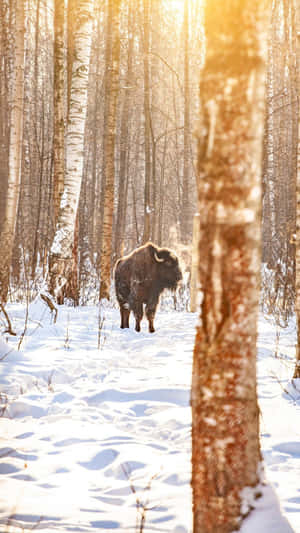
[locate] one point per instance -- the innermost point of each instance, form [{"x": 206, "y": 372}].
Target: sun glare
[{"x": 177, "y": 6}]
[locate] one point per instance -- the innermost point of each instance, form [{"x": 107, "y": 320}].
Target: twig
[
  {"x": 4, "y": 401},
  {"x": 101, "y": 320},
  {"x": 6, "y": 354},
  {"x": 170, "y": 68},
  {"x": 25, "y": 323},
  {"x": 67, "y": 338},
  {"x": 49, "y": 302},
  {"x": 142, "y": 507},
  {"x": 9, "y": 326},
  {"x": 283, "y": 388},
  {"x": 50, "y": 378}
]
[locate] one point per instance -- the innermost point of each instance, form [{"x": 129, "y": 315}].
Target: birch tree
[
  {"x": 112, "y": 90},
  {"x": 59, "y": 104},
  {"x": 124, "y": 140},
  {"x": 297, "y": 295},
  {"x": 147, "y": 127},
  {"x": 4, "y": 115},
  {"x": 185, "y": 208},
  {"x": 60, "y": 260},
  {"x": 8, "y": 225},
  {"x": 225, "y": 432}
]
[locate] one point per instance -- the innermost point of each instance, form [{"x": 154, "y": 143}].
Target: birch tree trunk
[
  {"x": 147, "y": 127},
  {"x": 185, "y": 225},
  {"x": 4, "y": 114},
  {"x": 59, "y": 105},
  {"x": 8, "y": 225},
  {"x": 60, "y": 260},
  {"x": 225, "y": 432},
  {"x": 106, "y": 108},
  {"x": 124, "y": 143},
  {"x": 297, "y": 284},
  {"x": 268, "y": 206},
  {"x": 112, "y": 90}
]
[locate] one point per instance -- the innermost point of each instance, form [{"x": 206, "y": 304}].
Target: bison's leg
[
  {"x": 137, "y": 309},
  {"x": 150, "y": 314},
  {"x": 136, "y": 303},
  {"x": 125, "y": 312},
  {"x": 150, "y": 317}
]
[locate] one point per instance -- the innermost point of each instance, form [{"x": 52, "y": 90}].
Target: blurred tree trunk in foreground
[
  {"x": 16, "y": 100},
  {"x": 225, "y": 431},
  {"x": 60, "y": 260}
]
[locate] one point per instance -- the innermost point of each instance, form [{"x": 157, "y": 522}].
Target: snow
[
  {"x": 95, "y": 439},
  {"x": 59, "y": 237}
]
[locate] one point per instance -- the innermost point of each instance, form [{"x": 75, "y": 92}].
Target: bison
[{"x": 140, "y": 278}]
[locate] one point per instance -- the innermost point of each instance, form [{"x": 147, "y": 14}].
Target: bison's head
[{"x": 169, "y": 272}]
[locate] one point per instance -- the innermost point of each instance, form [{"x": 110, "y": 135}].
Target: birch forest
[
  {"x": 99, "y": 109},
  {"x": 169, "y": 129},
  {"x": 97, "y": 151}
]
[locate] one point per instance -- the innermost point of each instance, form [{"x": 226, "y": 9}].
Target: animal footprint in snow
[{"x": 101, "y": 460}]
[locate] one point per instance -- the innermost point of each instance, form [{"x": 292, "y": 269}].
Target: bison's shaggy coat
[{"x": 140, "y": 278}]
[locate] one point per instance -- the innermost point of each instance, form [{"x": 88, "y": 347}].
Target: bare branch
[{"x": 9, "y": 326}]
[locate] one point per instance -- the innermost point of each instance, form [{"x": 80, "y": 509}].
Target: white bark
[
  {"x": 59, "y": 103},
  {"x": 15, "y": 152},
  {"x": 62, "y": 245},
  {"x": 297, "y": 302},
  {"x": 111, "y": 96}
]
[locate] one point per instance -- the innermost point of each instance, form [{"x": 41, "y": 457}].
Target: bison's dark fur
[{"x": 140, "y": 278}]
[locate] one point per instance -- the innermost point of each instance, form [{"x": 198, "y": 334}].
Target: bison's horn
[{"x": 158, "y": 259}]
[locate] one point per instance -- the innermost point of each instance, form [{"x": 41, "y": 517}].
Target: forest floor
[{"x": 96, "y": 425}]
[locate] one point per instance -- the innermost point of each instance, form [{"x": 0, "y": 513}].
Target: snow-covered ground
[{"x": 95, "y": 427}]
